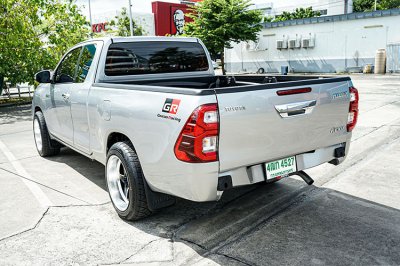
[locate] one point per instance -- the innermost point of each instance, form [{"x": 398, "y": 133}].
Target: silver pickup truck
[{"x": 164, "y": 125}]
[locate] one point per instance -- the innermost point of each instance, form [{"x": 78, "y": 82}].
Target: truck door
[
  {"x": 81, "y": 138},
  {"x": 60, "y": 91}
]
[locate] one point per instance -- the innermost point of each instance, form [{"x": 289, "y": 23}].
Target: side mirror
[{"x": 43, "y": 76}]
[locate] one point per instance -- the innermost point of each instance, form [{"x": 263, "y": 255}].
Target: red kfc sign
[
  {"x": 169, "y": 18},
  {"x": 99, "y": 27}
]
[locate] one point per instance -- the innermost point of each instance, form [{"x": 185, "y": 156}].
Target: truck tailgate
[{"x": 257, "y": 125}]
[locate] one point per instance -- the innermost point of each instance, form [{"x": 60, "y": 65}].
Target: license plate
[{"x": 281, "y": 168}]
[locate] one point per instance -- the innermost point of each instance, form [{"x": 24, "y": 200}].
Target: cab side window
[
  {"x": 85, "y": 62},
  {"x": 66, "y": 71}
]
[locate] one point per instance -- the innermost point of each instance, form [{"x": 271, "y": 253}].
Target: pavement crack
[
  {"x": 217, "y": 207},
  {"x": 43, "y": 185},
  {"x": 305, "y": 193},
  {"x": 207, "y": 252},
  {"x": 373, "y": 109},
  {"x": 174, "y": 233},
  {"x": 81, "y": 205},
  {"x": 136, "y": 252},
  {"x": 45, "y": 213},
  {"x": 235, "y": 259},
  {"x": 30, "y": 229},
  {"x": 366, "y": 134},
  {"x": 292, "y": 203}
]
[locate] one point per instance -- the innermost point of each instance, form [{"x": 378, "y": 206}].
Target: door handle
[
  {"x": 293, "y": 109},
  {"x": 65, "y": 96}
]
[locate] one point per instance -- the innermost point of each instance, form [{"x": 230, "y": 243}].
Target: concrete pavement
[{"x": 350, "y": 216}]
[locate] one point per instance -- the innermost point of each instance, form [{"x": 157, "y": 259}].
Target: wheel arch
[
  {"x": 37, "y": 109},
  {"x": 155, "y": 200},
  {"x": 115, "y": 137},
  {"x": 118, "y": 136}
]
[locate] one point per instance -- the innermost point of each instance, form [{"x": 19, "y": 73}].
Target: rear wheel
[
  {"x": 44, "y": 144},
  {"x": 125, "y": 182}
]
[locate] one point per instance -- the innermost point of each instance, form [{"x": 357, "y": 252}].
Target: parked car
[
  {"x": 164, "y": 125},
  {"x": 214, "y": 64}
]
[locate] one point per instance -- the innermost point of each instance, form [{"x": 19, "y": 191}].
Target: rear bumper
[
  {"x": 202, "y": 182},
  {"x": 254, "y": 174}
]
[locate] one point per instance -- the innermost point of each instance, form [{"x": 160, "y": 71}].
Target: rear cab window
[{"x": 138, "y": 58}]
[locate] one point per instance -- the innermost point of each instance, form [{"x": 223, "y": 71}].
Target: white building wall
[
  {"x": 277, "y": 7},
  {"x": 339, "y": 46},
  {"x": 146, "y": 21}
]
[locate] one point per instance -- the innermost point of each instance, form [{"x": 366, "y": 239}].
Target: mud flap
[{"x": 157, "y": 200}]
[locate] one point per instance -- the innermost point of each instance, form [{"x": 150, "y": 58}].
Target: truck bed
[
  {"x": 206, "y": 85},
  {"x": 268, "y": 125}
]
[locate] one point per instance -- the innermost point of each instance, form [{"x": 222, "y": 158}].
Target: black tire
[
  {"x": 49, "y": 147},
  {"x": 261, "y": 70},
  {"x": 137, "y": 206}
]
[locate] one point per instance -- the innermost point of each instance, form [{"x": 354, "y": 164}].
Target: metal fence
[
  {"x": 393, "y": 58},
  {"x": 18, "y": 91}
]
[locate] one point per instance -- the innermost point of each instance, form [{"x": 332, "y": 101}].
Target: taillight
[
  {"x": 293, "y": 91},
  {"x": 198, "y": 141},
  {"x": 353, "y": 109}
]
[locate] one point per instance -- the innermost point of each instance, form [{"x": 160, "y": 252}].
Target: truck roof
[{"x": 144, "y": 38}]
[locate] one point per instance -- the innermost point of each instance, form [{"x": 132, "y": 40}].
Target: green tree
[
  {"x": 19, "y": 45},
  {"x": 388, "y": 4},
  {"x": 122, "y": 23},
  {"x": 35, "y": 33},
  {"x": 219, "y": 23},
  {"x": 62, "y": 26},
  {"x": 297, "y": 14},
  {"x": 369, "y": 5}
]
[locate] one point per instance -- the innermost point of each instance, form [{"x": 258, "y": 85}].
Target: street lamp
[
  {"x": 90, "y": 14},
  {"x": 130, "y": 18},
  {"x": 90, "y": 17}
]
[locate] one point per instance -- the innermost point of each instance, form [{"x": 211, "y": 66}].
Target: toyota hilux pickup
[{"x": 152, "y": 110}]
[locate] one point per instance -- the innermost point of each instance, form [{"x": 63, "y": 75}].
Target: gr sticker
[{"x": 171, "y": 106}]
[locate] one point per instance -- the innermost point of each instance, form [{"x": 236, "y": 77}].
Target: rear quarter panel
[{"x": 136, "y": 114}]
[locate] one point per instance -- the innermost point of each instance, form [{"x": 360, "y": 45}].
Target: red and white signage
[
  {"x": 99, "y": 27},
  {"x": 170, "y": 18}
]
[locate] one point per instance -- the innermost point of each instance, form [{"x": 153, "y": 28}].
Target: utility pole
[
  {"x": 375, "y": 5},
  {"x": 90, "y": 17},
  {"x": 130, "y": 18}
]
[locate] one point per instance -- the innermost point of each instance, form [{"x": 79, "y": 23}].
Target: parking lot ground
[{"x": 57, "y": 211}]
